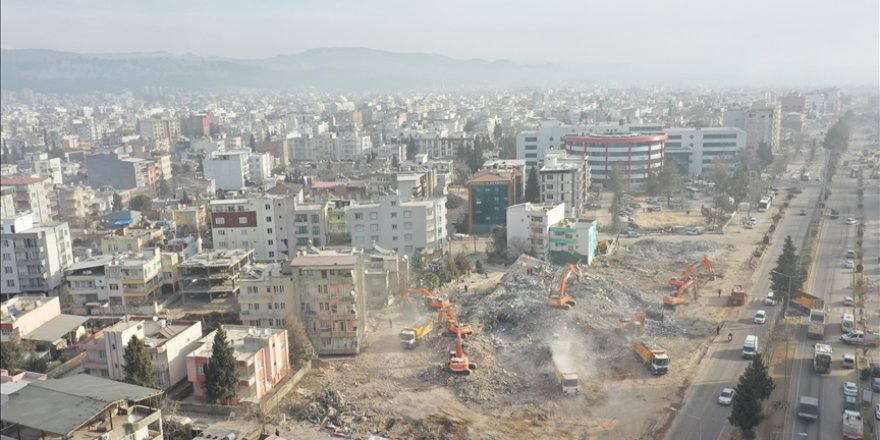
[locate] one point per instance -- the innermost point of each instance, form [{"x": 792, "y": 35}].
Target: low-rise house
[{"x": 39, "y": 318}]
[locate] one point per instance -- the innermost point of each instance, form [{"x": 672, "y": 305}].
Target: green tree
[
  {"x": 478, "y": 268},
  {"x": 738, "y": 185},
  {"x": 652, "y": 183},
  {"x": 837, "y": 137},
  {"x": 496, "y": 133},
  {"x": 35, "y": 363},
  {"x": 117, "y": 202},
  {"x": 138, "y": 368},
  {"x": 499, "y": 242},
  {"x": 301, "y": 350},
  {"x": 755, "y": 385},
  {"x": 532, "y": 190},
  {"x": 140, "y": 203},
  {"x": 719, "y": 176},
  {"x": 164, "y": 189},
  {"x": 280, "y": 170},
  {"x": 220, "y": 380},
  {"x": 462, "y": 263},
  {"x": 11, "y": 355},
  {"x": 787, "y": 270},
  {"x": 758, "y": 375},
  {"x": 765, "y": 155}
]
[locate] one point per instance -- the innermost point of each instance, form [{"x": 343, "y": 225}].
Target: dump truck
[
  {"x": 563, "y": 366},
  {"x": 822, "y": 358},
  {"x": 808, "y": 408},
  {"x": 411, "y": 336},
  {"x": 816, "y": 324},
  {"x": 804, "y": 302},
  {"x": 853, "y": 426},
  {"x": 654, "y": 357},
  {"x": 738, "y": 295}
]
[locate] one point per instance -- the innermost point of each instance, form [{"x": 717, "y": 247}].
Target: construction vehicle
[
  {"x": 636, "y": 320},
  {"x": 835, "y": 214},
  {"x": 816, "y": 324},
  {"x": 738, "y": 295},
  {"x": 853, "y": 425},
  {"x": 431, "y": 301},
  {"x": 804, "y": 302},
  {"x": 822, "y": 358},
  {"x": 677, "y": 296},
  {"x": 452, "y": 324},
  {"x": 560, "y": 299},
  {"x": 458, "y": 359},
  {"x": 563, "y": 364},
  {"x": 411, "y": 336},
  {"x": 686, "y": 276},
  {"x": 654, "y": 357}
]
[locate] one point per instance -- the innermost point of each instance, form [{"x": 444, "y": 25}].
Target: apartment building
[
  {"x": 193, "y": 217},
  {"x": 44, "y": 166},
  {"x": 75, "y": 201},
  {"x": 212, "y": 273},
  {"x": 31, "y": 194},
  {"x": 86, "y": 281},
  {"x": 573, "y": 241},
  {"x": 39, "y": 318},
  {"x": 267, "y": 296},
  {"x": 230, "y": 170},
  {"x": 7, "y": 201},
  {"x": 260, "y": 166},
  {"x": 490, "y": 193},
  {"x": 337, "y": 222},
  {"x": 130, "y": 240},
  {"x": 162, "y": 128},
  {"x": 352, "y": 146},
  {"x": 565, "y": 179},
  {"x": 33, "y": 256},
  {"x": 196, "y": 126},
  {"x": 166, "y": 342},
  {"x": 332, "y": 301},
  {"x": 278, "y": 149},
  {"x": 528, "y": 226},
  {"x": 118, "y": 172},
  {"x": 261, "y": 356},
  {"x": 696, "y": 150},
  {"x": 408, "y": 227},
  {"x": 763, "y": 124},
  {"x": 550, "y": 137},
  {"x": 386, "y": 274},
  {"x": 134, "y": 278}
]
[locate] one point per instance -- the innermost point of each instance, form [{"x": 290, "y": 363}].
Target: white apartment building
[
  {"x": 86, "y": 282},
  {"x": 166, "y": 342},
  {"x": 352, "y": 146},
  {"x": 696, "y": 150},
  {"x": 31, "y": 194},
  {"x": 266, "y": 296},
  {"x": 528, "y": 228},
  {"x": 134, "y": 278},
  {"x": 409, "y": 227},
  {"x": 565, "y": 179},
  {"x": 533, "y": 145},
  {"x": 46, "y": 167},
  {"x": 33, "y": 256},
  {"x": 763, "y": 124},
  {"x": 260, "y": 167},
  {"x": 7, "y": 201},
  {"x": 230, "y": 170}
]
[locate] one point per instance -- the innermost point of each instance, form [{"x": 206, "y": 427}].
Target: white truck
[
  {"x": 563, "y": 366},
  {"x": 808, "y": 408},
  {"x": 816, "y": 325},
  {"x": 853, "y": 426},
  {"x": 822, "y": 358}
]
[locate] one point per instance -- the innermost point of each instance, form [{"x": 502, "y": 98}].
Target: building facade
[
  {"x": 408, "y": 227},
  {"x": 267, "y": 296},
  {"x": 230, "y": 170},
  {"x": 118, "y": 172},
  {"x": 528, "y": 226},
  {"x": 33, "y": 256},
  {"x": 564, "y": 179},
  {"x": 490, "y": 193},
  {"x": 573, "y": 241},
  {"x": 31, "y": 194},
  {"x": 633, "y": 155},
  {"x": 696, "y": 150}
]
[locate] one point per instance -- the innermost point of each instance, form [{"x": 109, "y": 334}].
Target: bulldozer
[
  {"x": 434, "y": 302},
  {"x": 560, "y": 299},
  {"x": 458, "y": 359},
  {"x": 452, "y": 324}
]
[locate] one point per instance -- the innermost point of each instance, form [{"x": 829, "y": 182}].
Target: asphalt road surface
[{"x": 701, "y": 417}]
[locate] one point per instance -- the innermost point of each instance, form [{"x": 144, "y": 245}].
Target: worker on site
[
  {"x": 718, "y": 330},
  {"x": 390, "y": 323}
]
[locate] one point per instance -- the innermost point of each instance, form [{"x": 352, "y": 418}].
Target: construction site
[{"x": 534, "y": 350}]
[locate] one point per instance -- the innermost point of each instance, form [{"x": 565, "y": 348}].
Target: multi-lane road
[{"x": 701, "y": 417}]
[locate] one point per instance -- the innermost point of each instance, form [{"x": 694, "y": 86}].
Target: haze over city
[{"x": 677, "y": 42}]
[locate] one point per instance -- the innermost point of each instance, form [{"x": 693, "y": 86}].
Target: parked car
[
  {"x": 849, "y": 264},
  {"x": 726, "y": 396},
  {"x": 850, "y": 221},
  {"x": 848, "y": 301},
  {"x": 760, "y": 317},
  {"x": 850, "y": 253},
  {"x": 849, "y": 361},
  {"x": 850, "y": 403},
  {"x": 749, "y": 225},
  {"x": 803, "y": 212},
  {"x": 877, "y": 411},
  {"x": 850, "y": 389},
  {"x": 632, "y": 233},
  {"x": 770, "y": 299}
]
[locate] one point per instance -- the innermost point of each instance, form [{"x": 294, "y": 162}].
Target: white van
[
  {"x": 847, "y": 323},
  {"x": 770, "y": 300},
  {"x": 750, "y": 347}
]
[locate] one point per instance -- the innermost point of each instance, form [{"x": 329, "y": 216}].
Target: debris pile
[{"x": 327, "y": 410}]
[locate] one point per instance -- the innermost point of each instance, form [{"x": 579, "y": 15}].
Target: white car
[
  {"x": 770, "y": 299},
  {"x": 877, "y": 411},
  {"x": 850, "y": 264},
  {"x": 848, "y": 301},
  {"x": 760, "y": 317},
  {"x": 850, "y": 221},
  {"x": 749, "y": 225},
  {"x": 849, "y": 360},
  {"x": 726, "y": 397},
  {"x": 850, "y": 389}
]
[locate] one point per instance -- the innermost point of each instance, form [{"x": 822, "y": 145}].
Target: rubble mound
[
  {"x": 668, "y": 251},
  {"x": 327, "y": 409}
]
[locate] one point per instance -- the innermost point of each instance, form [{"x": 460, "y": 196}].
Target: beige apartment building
[
  {"x": 134, "y": 278},
  {"x": 130, "y": 240},
  {"x": 267, "y": 295}
]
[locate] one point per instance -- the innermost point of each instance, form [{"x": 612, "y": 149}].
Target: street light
[
  {"x": 787, "y": 297},
  {"x": 699, "y": 419}
]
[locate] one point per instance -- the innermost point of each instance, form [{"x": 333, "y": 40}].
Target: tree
[
  {"x": 411, "y": 149},
  {"x": 301, "y": 349},
  {"x": 164, "y": 189},
  {"x": 11, "y": 355},
  {"x": 652, "y": 183},
  {"x": 462, "y": 264},
  {"x": 670, "y": 182},
  {"x": 478, "y": 268},
  {"x": 140, "y": 203},
  {"x": 757, "y": 374},
  {"x": 220, "y": 380},
  {"x": 184, "y": 198},
  {"x": 765, "y": 155},
  {"x": 117, "y": 202},
  {"x": 280, "y": 170},
  {"x": 719, "y": 176},
  {"x": 754, "y": 385},
  {"x": 470, "y": 125},
  {"x": 35, "y": 363},
  {"x": 138, "y": 368},
  {"x": 787, "y": 270},
  {"x": 496, "y": 133},
  {"x": 532, "y": 189},
  {"x": 499, "y": 241}
]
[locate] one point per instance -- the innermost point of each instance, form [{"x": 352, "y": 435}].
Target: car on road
[
  {"x": 850, "y": 389},
  {"x": 875, "y": 384},
  {"x": 850, "y": 403},
  {"x": 770, "y": 299},
  {"x": 749, "y": 225},
  {"x": 726, "y": 396},
  {"x": 849, "y": 264},
  {"x": 632, "y": 233},
  {"x": 849, "y": 361},
  {"x": 877, "y": 411},
  {"x": 803, "y": 212},
  {"x": 760, "y": 317},
  {"x": 850, "y": 221},
  {"x": 848, "y": 301},
  {"x": 850, "y": 253}
]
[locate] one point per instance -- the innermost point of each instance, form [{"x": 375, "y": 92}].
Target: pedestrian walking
[
  {"x": 465, "y": 288},
  {"x": 718, "y": 330},
  {"x": 719, "y": 293},
  {"x": 390, "y": 323}
]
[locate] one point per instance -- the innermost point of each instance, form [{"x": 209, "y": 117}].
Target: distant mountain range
[{"x": 343, "y": 69}]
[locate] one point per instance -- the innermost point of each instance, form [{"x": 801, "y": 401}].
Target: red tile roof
[{"x": 20, "y": 180}]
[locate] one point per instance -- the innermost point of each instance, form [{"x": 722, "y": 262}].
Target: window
[
  {"x": 316, "y": 230},
  {"x": 374, "y": 238},
  {"x": 242, "y": 220},
  {"x": 268, "y": 206},
  {"x": 268, "y": 230},
  {"x": 374, "y": 227},
  {"x": 301, "y": 218},
  {"x": 407, "y": 226},
  {"x": 220, "y": 220},
  {"x": 407, "y": 214},
  {"x": 359, "y": 216},
  {"x": 10, "y": 283},
  {"x": 315, "y": 218},
  {"x": 394, "y": 238},
  {"x": 407, "y": 237},
  {"x": 302, "y": 229},
  {"x": 114, "y": 287},
  {"x": 374, "y": 215},
  {"x": 7, "y": 269},
  {"x": 394, "y": 227},
  {"x": 200, "y": 370},
  {"x": 221, "y": 232},
  {"x": 393, "y": 215},
  {"x": 271, "y": 254},
  {"x": 358, "y": 228},
  {"x": 221, "y": 244},
  {"x": 269, "y": 218},
  {"x": 271, "y": 242}
]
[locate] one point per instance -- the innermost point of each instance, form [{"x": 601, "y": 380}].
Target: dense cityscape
[{"x": 463, "y": 260}]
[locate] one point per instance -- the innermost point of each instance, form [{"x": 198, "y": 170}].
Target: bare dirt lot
[{"x": 394, "y": 393}]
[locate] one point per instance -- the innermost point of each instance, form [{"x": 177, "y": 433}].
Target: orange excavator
[
  {"x": 452, "y": 323},
  {"x": 458, "y": 359},
  {"x": 560, "y": 299},
  {"x": 677, "y": 297},
  {"x": 686, "y": 276},
  {"x": 432, "y": 301}
]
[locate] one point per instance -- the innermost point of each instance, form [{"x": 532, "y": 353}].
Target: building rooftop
[
  {"x": 20, "y": 180},
  {"x": 18, "y": 306},
  {"x": 217, "y": 258},
  {"x": 260, "y": 272},
  {"x": 326, "y": 258},
  {"x": 55, "y": 328},
  {"x": 156, "y": 332},
  {"x": 244, "y": 341}
]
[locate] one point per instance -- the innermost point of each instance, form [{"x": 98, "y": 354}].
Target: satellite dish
[{"x": 155, "y": 318}]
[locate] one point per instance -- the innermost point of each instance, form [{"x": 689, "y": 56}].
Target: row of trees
[{"x": 754, "y": 386}]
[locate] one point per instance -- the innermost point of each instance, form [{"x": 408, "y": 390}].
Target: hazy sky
[{"x": 763, "y": 38}]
